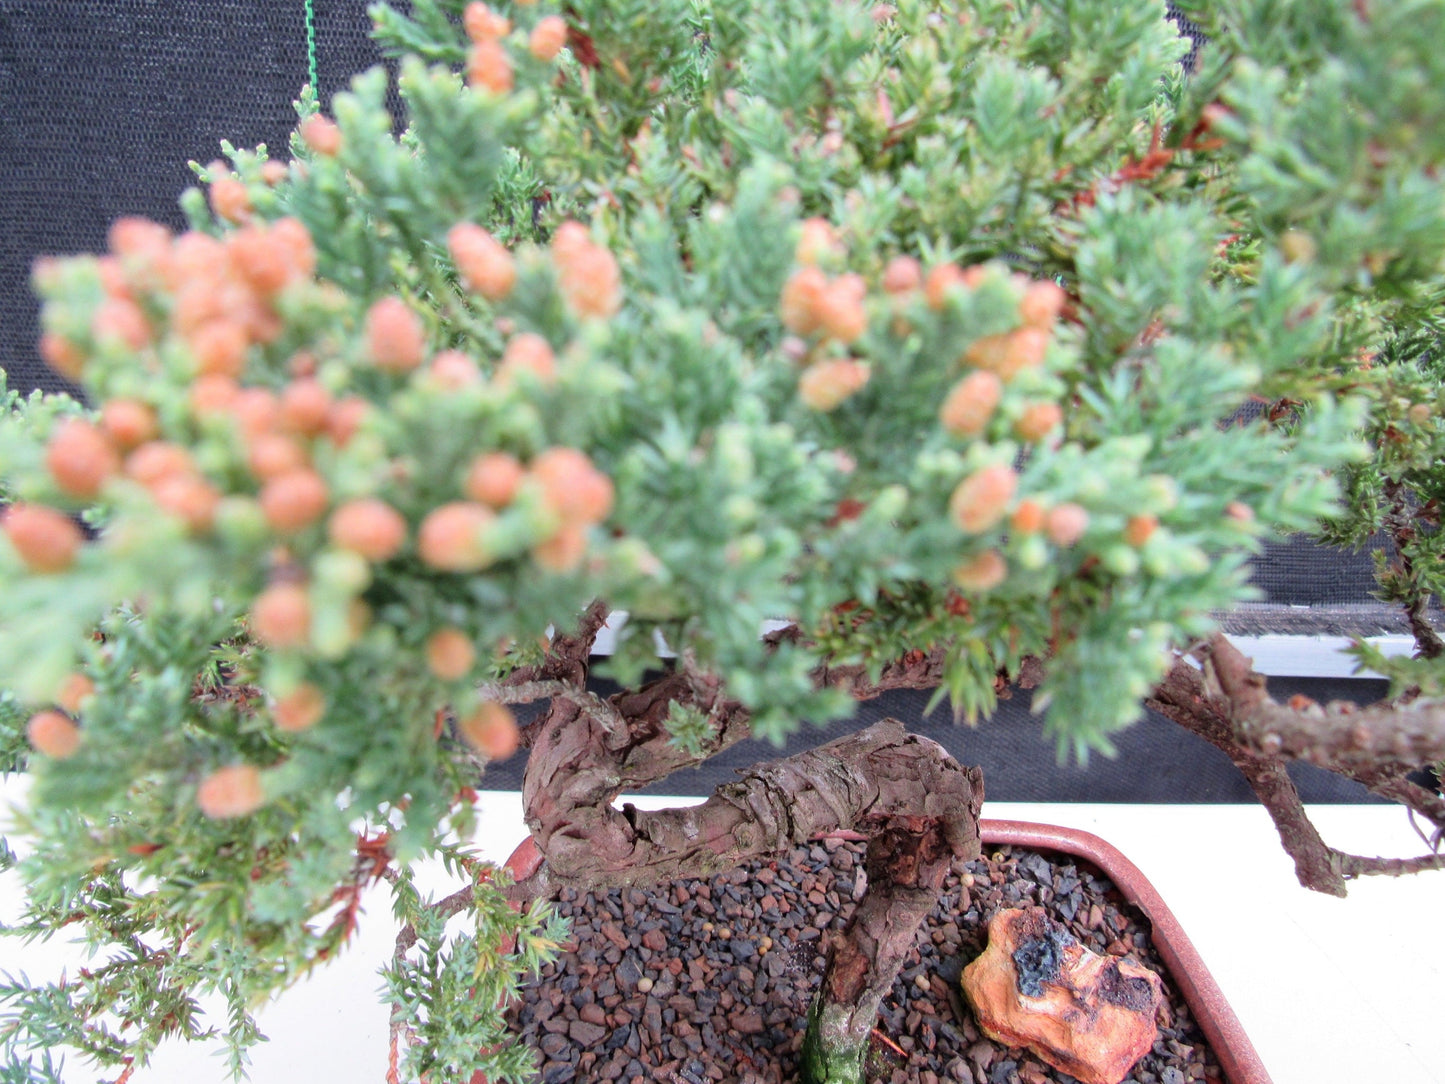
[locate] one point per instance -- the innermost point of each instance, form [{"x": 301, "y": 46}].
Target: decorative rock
[{"x": 1035, "y": 986}]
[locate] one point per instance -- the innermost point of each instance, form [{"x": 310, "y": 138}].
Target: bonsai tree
[{"x": 953, "y": 345}]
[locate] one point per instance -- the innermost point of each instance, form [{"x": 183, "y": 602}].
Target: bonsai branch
[
  {"x": 567, "y": 653},
  {"x": 529, "y": 692},
  {"x": 1433, "y": 840},
  {"x": 1382, "y": 738},
  {"x": 561, "y": 673},
  {"x": 586, "y": 753},
  {"x": 587, "y": 750},
  {"x": 914, "y": 670},
  {"x": 1228, "y": 705},
  {"x": 1414, "y": 798},
  {"x": 919, "y": 805}
]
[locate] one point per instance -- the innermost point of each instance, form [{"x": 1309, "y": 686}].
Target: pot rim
[{"x": 1236, "y": 1054}]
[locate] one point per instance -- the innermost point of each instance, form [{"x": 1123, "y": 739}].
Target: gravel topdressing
[{"x": 711, "y": 980}]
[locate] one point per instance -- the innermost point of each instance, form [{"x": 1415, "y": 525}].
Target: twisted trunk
[
  {"x": 847, "y": 785},
  {"x": 585, "y": 752},
  {"x": 918, "y": 807}
]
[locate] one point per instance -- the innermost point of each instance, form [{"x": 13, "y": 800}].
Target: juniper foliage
[{"x": 1252, "y": 255}]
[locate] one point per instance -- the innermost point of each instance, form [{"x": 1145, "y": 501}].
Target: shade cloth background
[{"x": 1156, "y": 762}]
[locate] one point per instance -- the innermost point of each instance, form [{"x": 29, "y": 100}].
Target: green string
[{"x": 311, "y": 47}]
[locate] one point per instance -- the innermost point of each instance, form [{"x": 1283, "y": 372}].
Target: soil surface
[{"x": 710, "y": 980}]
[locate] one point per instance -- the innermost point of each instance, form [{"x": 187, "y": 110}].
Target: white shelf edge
[
  {"x": 1280, "y": 655},
  {"x": 1274, "y": 654}
]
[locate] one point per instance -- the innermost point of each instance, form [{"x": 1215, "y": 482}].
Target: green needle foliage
[{"x": 980, "y": 329}]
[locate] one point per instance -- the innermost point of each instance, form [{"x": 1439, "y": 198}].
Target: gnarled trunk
[
  {"x": 916, "y": 805},
  {"x": 882, "y": 771}
]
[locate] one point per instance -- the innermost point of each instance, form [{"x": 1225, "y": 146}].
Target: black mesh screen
[
  {"x": 104, "y": 102},
  {"x": 1188, "y": 27},
  {"x": 1157, "y": 761}
]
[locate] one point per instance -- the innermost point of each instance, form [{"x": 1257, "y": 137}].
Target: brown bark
[
  {"x": 586, "y": 752},
  {"x": 1381, "y": 738},
  {"x": 1401, "y": 523},
  {"x": 907, "y": 859},
  {"x": 921, "y": 805},
  {"x": 1375, "y": 746},
  {"x": 1227, "y": 704},
  {"x": 915, "y": 670},
  {"x": 568, "y": 793},
  {"x": 561, "y": 673},
  {"x": 905, "y": 863},
  {"x": 1183, "y": 697},
  {"x": 1415, "y": 798}
]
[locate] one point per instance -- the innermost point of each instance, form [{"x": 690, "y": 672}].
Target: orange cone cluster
[
  {"x": 827, "y": 384},
  {"x": 491, "y": 730},
  {"x": 484, "y": 264},
  {"x": 321, "y": 134},
  {"x": 981, "y": 500},
  {"x": 813, "y": 303},
  {"x": 547, "y": 38},
  {"x": 369, "y": 527},
  {"x": 587, "y": 273},
  {"x": 53, "y": 734},
  {"x": 232, "y": 791},
  {"x": 489, "y": 67},
  {"x": 300, "y": 709},
  {"x": 830, "y": 310},
  {"x": 216, "y": 296},
  {"x": 395, "y": 338},
  {"x": 44, "y": 539},
  {"x": 970, "y": 404},
  {"x": 191, "y": 334}
]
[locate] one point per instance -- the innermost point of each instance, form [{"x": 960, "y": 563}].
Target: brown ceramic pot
[{"x": 1236, "y": 1054}]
